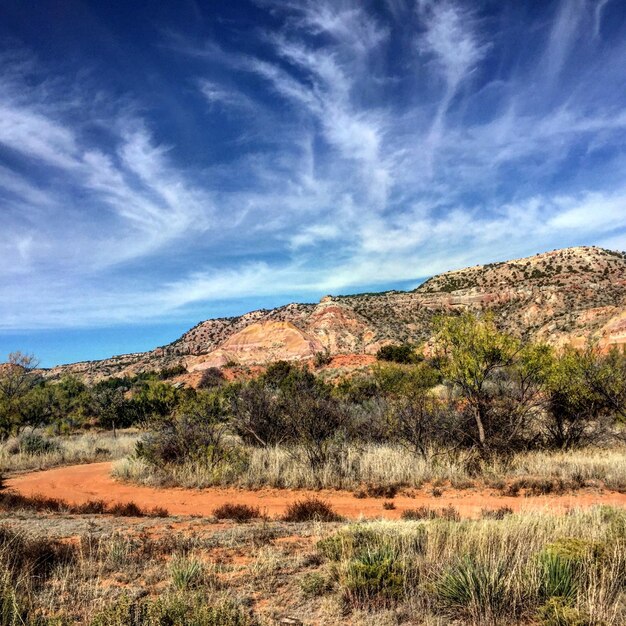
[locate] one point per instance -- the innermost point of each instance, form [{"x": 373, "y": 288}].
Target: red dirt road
[{"x": 80, "y": 483}]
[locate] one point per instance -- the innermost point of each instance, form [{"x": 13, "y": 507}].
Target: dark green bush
[
  {"x": 211, "y": 377},
  {"x": 403, "y": 353},
  {"x": 35, "y": 444}
]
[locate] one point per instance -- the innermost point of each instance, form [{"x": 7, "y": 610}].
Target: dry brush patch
[
  {"x": 12, "y": 501},
  {"x": 26, "y": 453},
  {"x": 506, "y": 569},
  {"x": 380, "y": 470}
]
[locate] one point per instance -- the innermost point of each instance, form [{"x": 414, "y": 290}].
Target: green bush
[
  {"x": 404, "y": 353},
  {"x": 359, "y": 539},
  {"x": 35, "y": 444},
  {"x": 348, "y": 543},
  {"x": 558, "y": 612}
]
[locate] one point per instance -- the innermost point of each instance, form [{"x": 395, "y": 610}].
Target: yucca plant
[
  {"x": 186, "y": 573},
  {"x": 558, "y": 576},
  {"x": 475, "y": 588}
]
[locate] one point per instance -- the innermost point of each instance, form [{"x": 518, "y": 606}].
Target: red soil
[{"x": 81, "y": 483}]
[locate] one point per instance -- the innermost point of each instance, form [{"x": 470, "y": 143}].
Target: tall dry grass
[
  {"x": 68, "y": 450},
  {"x": 381, "y": 465},
  {"x": 529, "y": 568}
]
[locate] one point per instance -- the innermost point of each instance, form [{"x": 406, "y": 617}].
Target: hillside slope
[{"x": 564, "y": 296}]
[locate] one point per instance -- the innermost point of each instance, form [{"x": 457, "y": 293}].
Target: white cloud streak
[{"x": 350, "y": 174}]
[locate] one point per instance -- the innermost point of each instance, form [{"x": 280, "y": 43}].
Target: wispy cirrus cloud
[{"x": 341, "y": 146}]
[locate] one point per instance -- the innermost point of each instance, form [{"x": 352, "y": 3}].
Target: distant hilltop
[{"x": 563, "y": 296}]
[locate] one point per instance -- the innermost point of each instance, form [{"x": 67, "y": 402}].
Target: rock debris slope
[{"x": 564, "y": 296}]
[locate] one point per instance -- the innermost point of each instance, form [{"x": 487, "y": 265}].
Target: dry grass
[
  {"x": 72, "y": 449},
  {"x": 384, "y": 467},
  {"x": 492, "y": 571},
  {"x": 489, "y": 571}
]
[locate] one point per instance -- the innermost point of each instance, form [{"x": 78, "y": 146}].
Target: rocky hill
[{"x": 564, "y": 296}]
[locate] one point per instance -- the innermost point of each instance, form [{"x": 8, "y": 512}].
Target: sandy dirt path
[{"x": 80, "y": 483}]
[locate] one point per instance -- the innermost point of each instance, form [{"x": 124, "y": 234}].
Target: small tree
[
  {"x": 420, "y": 421},
  {"x": 605, "y": 375},
  {"x": 311, "y": 417},
  {"x": 211, "y": 377},
  {"x": 197, "y": 433},
  {"x": 471, "y": 352},
  {"x": 258, "y": 415},
  {"x": 583, "y": 396},
  {"x": 16, "y": 381},
  {"x": 113, "y": 409}
]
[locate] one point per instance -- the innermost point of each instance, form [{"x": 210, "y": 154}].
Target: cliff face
[{"x": 564, "y": 296}]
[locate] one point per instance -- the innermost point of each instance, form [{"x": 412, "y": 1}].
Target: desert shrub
[
  {"x": 388, "y": 505},
  {"x": 237, "y": 512},
  {"x": 403, "y": 353},
  {"x": 198, "y": 434},
  {"x": 315, "y": 421},
  {"x": 381, "y": 491},
  {"x": 587, "y": 393},
  {"x": 171, "y": 610},
  {"x": 31, "y": 557},
  {"x": 474, "y": 588},
  {"x": 35, "y": 444},
  {"x": 126, "y": 509},
  {"x": 155, "y": 399},
  {"x": 419, "y": 513},
  {"x": 418, "y": 421},
  {"x": 426, "y": 513},
  {"x": 315, "y": 584},
  {"x": 540, "y": 486},
  {"x": 498, "y": 514},
  {"x": 349, "y": 542},
  {"x": 322, "y": 358},
  {"x": 211, "y": 377},
  {"x": 557, "y": 611},
  {"x": 172, "y": 371},
  {"x": 258, "y": 415},
  {"x": 372, "y": 579},
  {"x": 10, "y": 500},
  {"x": 359, "y": 539},
  {"x": 310, "y": 509}
]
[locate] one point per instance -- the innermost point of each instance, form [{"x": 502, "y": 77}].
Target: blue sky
[{"x": 166, "y": 162}]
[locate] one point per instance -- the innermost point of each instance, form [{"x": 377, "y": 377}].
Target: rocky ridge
[{"x": 563, "y": 296}]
